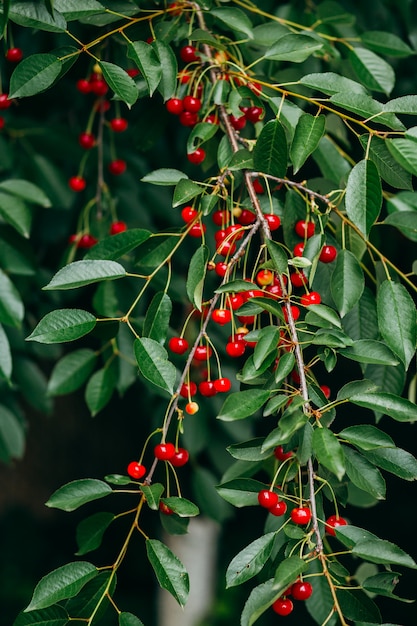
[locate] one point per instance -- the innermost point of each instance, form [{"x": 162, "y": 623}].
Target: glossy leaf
[
  {"x": 146, "y": 58},
  {"x": 384, "y": 42},
  {"x": 294, "y": 48},
  {"x": 169, "y": 69},
  {"x": 384, "y": 552},
  {"x": 92, "y": 597},
  {"x": 234, "y": 19},
  {"x": 366, "y": 437},
  {"x": 403, "y": 151},
  {"x": 371, "y": 70},
  {"x": 362, "y": 321},
  {"x": 248, "y": 450},
  {"x": 5, "y": 356},
  {"x": 242, "y": 404},
  {"x": 90, "y": 531},
  {"x": 153, "y": 494},
  {"x": 397, "y": 320},
  {"x": 370, "y": 351},
  {"x": 196, "y": 276},
  {"x": 363, "y": 474},
  {"x": 241, "y": 491},
  {"x": 356, "y": 605},
  {"x": 100, "y": 388},
  {"x": 72, "y": 10},
  {"x": 278, "y": 256},
  {"x": 80, "y": 273},
  {"x": 308, "y": 132},
  {"x": 366, "y": 107},
  {"x": 407, "y": 105},
  {"x": 270, "y": 154},
  {"x": 169, "y": 570},
  {"x": 77, "y": 493},
  {"x": 331, "y": 162},
  {"x": 52, "y": 616},
  {"x": 185, "y": 190},
  {"x": 331, "y": 83},
  {"x": 388, "y": 168},
  {"x": 64, "y": 582},
  {"x": 405, "y": 221},
  {"x": 201, "y": 132},
  {"x": 157, "y": 317},
  {"x": 63, "y": 325},
  {"x": 267, "y": 342},
  {"x": 154, "y": 251},
  {"x": 394, "y": 460},
  {"x": 120, "y": 82},
  {"x": 12, "y": 436},
  {"x": 34, "y": 75},
  {"x": 128, "y": 619},
  {"x": 26, "y": 190},
  {"x": 15, "y": 212},
  {"x": 165, "y": 177},
  {"x": 11, "y": 305},
  {"x": 259, "y": 600},
  {"x": 328, "y": 451},
  {"x": 35, "y": 15},
  {"x": 71, "y": 371},
  {"x": 363, "y": 195},
  {"x": 249, "y": 561},
  {"x": 347, "y": 282},
  {"x": 152, "y": 359},
  {"x": 181, "y": 506}
]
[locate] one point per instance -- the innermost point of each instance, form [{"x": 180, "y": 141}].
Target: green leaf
[
  {"x": 11, "y": 306},
  {"x": 384, "y": 552},
  {"x": 52, "y": 616},
  {"x": 383, "y": 584},
  {"x": 146, "y": 58},
  {"x": 363, "y": 474},
  {"x": 72, "y": 10},
  {"x": 201, "y": 132},
  {"x": 331, "y": 83},
  {"x": 278, "y": 256},
  {"x": 249, "y": 562},
  {"x": 320, "y": 312},
  {"x": 5, "y": 355},
  {"x": 234, "y": 19},
  {"x": 293, "y": 48},
  {"x": 362, "y": 322},
  {"x": 287, "y": 572},
  {"x": 347, "y": 282},
  {"x": 80, "y": 273},
  {"x": 64, "y": 582},
  {"x": 26, "y": 191},
  {"x": 400, "y": 409},
  {"x": 181, "y": 506},
  {"x": 241, "y": 491},
  {"x": 242, "y": 404},
  {"x": 397, "y": 320},
  {"x": 16, "y": 213},
  {"x": 78, "y": 492},
  {"x": 267, "y": 342},
  {"x": 169, "y": 570},
  {"x": 308, "y": 132},
  {"x": 36, "y": 15},
  {"x": 153, "y": 494},
  {"x": 407, "y": 105},
  {"x": 363, "y": 195},
  {"x": 241, "y": 160},
  {"x": 248, "y": 450},
  {"x": 155, "y": 250},
  {"x": 63, "y": 325},
  {"x": 394, "y": 460},
  {"x": 328, "y": 451},
  {"x": 116, "y": 246},
  {"x": 100, "y": 388},
  {"x": 366, "y": 107},
  {"x": 157, "y": 317},
  {"x": 259, "y": 600},
  {"x": 120, "y": 82},
  {"x": 270, "y": 154},
  {"x": 152, "y": 359},
  {"x": 34, "y": 75},
  {"x": 356, "y": 604},
  {"x": 93, "y": 597},
  {"x": 371, "y": 70},
  {"x": 185, "y": 190},
  {"x": 196, "y": 276},
  {"x": 165, "y": 176},
  {"x": 90, "y": 531},
  {"x": 12, "y": 436},
  {"x": 70, "y": 372},
  {"x": 366, "y": 437},
  {"x": 128, "y": 619},
  {"x": 405, "y": 221},
  {"x": 404, "y": 152},
  {"x": 169, "y": 68},
  {"x": 331, "y": 162},
  {"x": 370, "y": 351},
  {"x": 389, "y": 169},
  {"x": 387, "y": 43}
]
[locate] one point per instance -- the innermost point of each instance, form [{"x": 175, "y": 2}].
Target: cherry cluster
[{"x": 13, "y": 55}]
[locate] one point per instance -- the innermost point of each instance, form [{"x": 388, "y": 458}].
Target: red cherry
[
  {"x": 86, "y": 140},
  {"x": 180, "y": 458},
  {"x": 102, "y": 106},
  {"x": 267, "y": 498},
  {"x": 207, "y": 388},
  {"x": 164, "y": 508},
  {"x": 14, "y": 55},
  {"x": 298, "y": 279},
  {"x": 280, "y": 508},
  {"x": 226, "y": 248},
  {"x": 220, "y": 218},
  {"x": 234, "y": 232},
  {"x": 174, "y": 106},
  {"x": 281, "y": 455},
  {"x": 197, "y": 230},
  {"x": 326, "y": 391},
  {"x": 310, "y": 298},
  {"x": 187, "y": 118},
  {"x": 221, "y": 269},
  {"x": 222, "y": 385},
  {"x": 238, "y": 123},
  {"x": 117, "y": 227},
  {"x": 4, "y": 101},
  {"x": 246, "y": 217},
  {"x": 86, "y": 241},
  {"x": 188, "y": 54},
  {"x": 255, "y": 87},
  {"x": 221, "y": 316},
  {"x": 328, "y": 254},
  {"x": 197, "y": 156},
  {"x": 254, "y": 114},
  {"x": 178, "y": 345},
  {"x": 184, "y": 77},
  {"x": 191, "y": 104},
  {"x": 301, "y": 515},
  {"x": 118, "y": 124},
  {"x": 132, "y": 72},
  {"x": 257, "y": 186},
  {"x": 189, "y": 214},
  {"x": 188, "y": 389},
  {"x": 283, "y": 606},
  {"x": 136, "y": 470},
  {"x": 2, "y": 122},
  {"x": 83, "y": 85},
  {"x": 264, "y": 277},
  {"x": 212, "y": 119},
  {"x": 295, "y": 311},
  {"x": 164, "y": 451},
  {"x": 77, "y": 183},
  {"x": 235, "y": 348},
  {"x": 274, "y": 290},
  {"x": 333, "y": 522},
  {"x": 202, "y": 353},
  {"x": 99, "y": 87},
  {"x": 191, "y": 408},
  {"x": 273, "y": 220},
  {"x": 298, "y": 249},
  {"x": 301, "y": 590},
  {"x": 117, "y": 167},
  {"x": 305, "y": 229}
]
